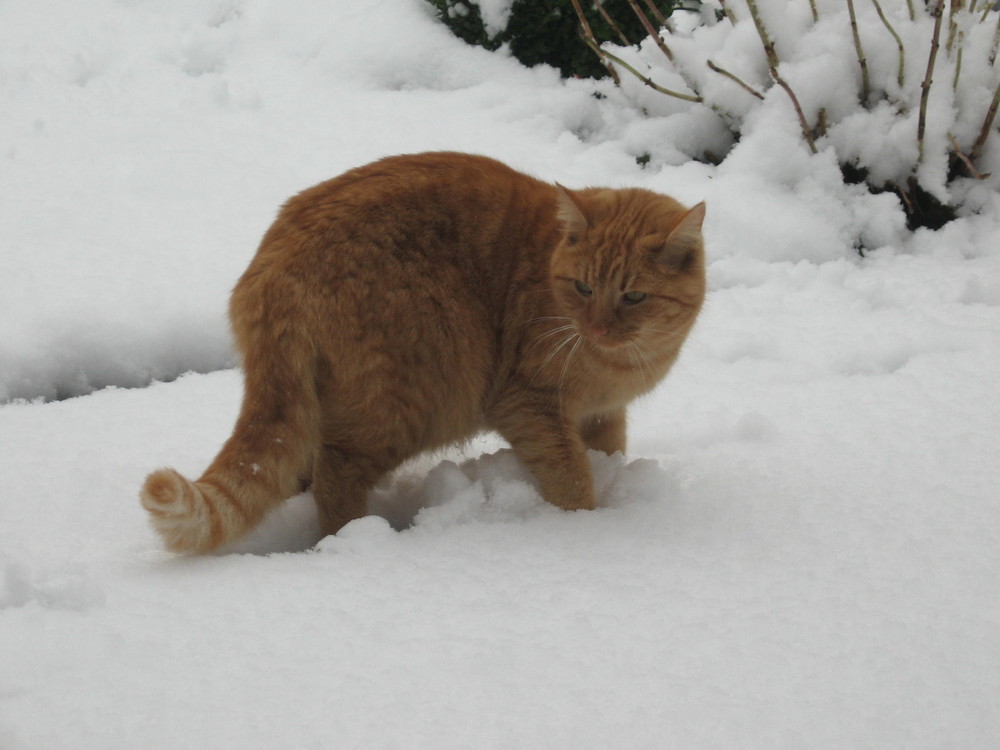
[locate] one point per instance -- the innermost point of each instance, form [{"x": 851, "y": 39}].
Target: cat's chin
[{"x": 608, "y": 345}]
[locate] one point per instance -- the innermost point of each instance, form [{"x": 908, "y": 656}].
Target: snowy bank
[{"x": 801, "y": 549}]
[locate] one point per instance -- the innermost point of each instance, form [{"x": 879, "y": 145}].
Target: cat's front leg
[
  {"x": 605, "y": 432},
  {"x": 550, "y": 445}
]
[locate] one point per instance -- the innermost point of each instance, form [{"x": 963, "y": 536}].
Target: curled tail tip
[
  {"x": 163, "y": 494},
  {"x": 177, "y": 511}
]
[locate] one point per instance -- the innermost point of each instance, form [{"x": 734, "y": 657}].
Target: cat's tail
[
  {"x": 191, "y": 517},
  {"x": 267, "y": 458},
  {"x": 265, "y": 461}
]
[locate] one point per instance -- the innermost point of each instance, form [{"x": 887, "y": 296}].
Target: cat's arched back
[{"x": 415, "y": 301}]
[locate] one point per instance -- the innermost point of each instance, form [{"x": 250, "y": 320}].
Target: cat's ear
[
  {"x": 684, "y": 241},
  {"x": 569, "y": 213}
]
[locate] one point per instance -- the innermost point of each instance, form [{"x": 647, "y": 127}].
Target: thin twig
[
  {"x": 905, "y": 197},
  {"x": 984, "y": 132},
  {"x": 937, "y": 11},
  {"x": 958, "y": 61},
  {"x": 957, "y": 35},
  {"x": 954, "y": 9},
  {"x": 821, "y": 122},
  {"x": 611, "y": 22},
  {"x": 996, "y": 40},
  {"x": 733, "y": 77},
  {"x": 973, "y": 172},
  {"x": 654, "y": 33},
  {"x": 587, "y": 34},
  {"x": 660, "y": 18},
  {"x": 645, "y": 79},
  {"x": 901, "y": 73},
  {"x": 862, "y": 61},
  {"x": 728, "y": 11},
  {"x": 815, "y": 11},
  {"x": 798, "y": 111},
  {"x": 769, "y": 51},
  {"x": 772, "y": 63}
]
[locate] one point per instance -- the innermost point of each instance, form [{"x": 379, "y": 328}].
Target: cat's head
[{"x": 630, "y": 268}]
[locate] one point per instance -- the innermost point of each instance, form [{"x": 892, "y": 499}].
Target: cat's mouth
[{"x": 603, "y": 339}]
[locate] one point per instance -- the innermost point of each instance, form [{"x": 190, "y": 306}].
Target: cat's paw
[{"x": 575, "y": 501}]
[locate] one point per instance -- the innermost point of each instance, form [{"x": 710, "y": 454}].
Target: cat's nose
[{"x": 597, "y": 331}]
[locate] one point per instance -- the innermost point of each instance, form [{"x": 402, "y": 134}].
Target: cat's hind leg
[{"x": 341, "y": 482}]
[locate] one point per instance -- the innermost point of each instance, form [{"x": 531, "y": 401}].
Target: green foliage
[{"x": 547, "y": 31}]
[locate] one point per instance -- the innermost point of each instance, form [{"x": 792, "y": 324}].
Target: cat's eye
[
  {"x": 633, "y": 298},
  {"x": 583, "y": 289}
]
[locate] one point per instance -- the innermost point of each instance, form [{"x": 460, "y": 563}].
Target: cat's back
[
  {"x": 432, "y": 232},
  {"x": 425, "y": 188},
  {"x": 467, "y": 220}
]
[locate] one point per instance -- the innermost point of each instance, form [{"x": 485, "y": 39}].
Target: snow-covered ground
[{"x": 801, "y": 550}]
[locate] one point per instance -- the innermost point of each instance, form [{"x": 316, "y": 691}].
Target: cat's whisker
[
  {"x": 671, "y": 334},
  {"x": 569, "y": 357},
  {"x": 565, "y": 367},
  {"x": 646, "y": 358},
  {"x": 557, "y": 329},
  {"x": 539, "y": 338},
  {"x": 633, "y": 349},
  {"x": 569, "y": 324},
  {"x": 645, "y": 363},
  {"x": 555, "y": 351},
  {"x": 552, "y": 354}
]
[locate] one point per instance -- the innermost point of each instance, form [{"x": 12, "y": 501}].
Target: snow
[
  {"x": 800, "y": 550},
  {"x": 495, "y": 14}
]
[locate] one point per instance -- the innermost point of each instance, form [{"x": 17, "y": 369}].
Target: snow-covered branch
[{"x": 854, "y": 90}]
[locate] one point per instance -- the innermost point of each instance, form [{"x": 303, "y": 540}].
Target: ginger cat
[{"x": 411, "y": 303}]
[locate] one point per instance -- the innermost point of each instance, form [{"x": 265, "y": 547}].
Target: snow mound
[
  {"x": 497, "y": 488},
  {"x": 63, "y": 588}
]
